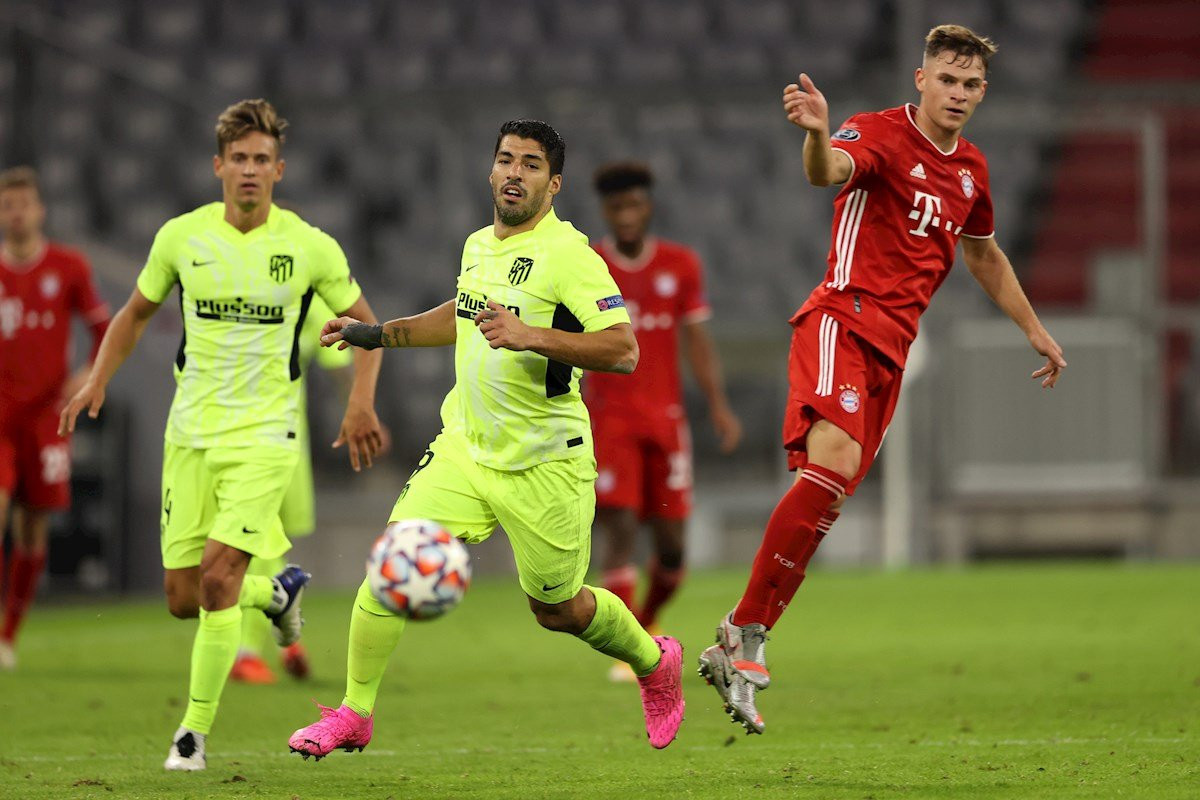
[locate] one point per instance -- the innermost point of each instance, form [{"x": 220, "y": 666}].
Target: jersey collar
[
  {"x": 544, "y": 224},
  {"x": 909, "y": 108},
  {"x": 20, "y": 267},
  {"x": 643, "y": 259}
]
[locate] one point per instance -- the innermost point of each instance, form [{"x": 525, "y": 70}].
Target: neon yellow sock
[
  {"x": 213, "y": 653},
  {"x": 256, "y": 628},
  {"x": 374, "y": 633},
  {"x": 257, "y": 592},
  {"x": 615, "y": 632}
]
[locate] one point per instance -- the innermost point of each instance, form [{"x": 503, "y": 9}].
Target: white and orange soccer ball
[{"x": 418, "y": 570}]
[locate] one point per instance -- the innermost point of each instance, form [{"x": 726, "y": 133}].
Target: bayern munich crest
[
  {"x": 849, "y": 399},
  {"x": 968, "y": 182}
]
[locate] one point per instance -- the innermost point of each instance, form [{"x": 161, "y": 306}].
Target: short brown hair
[
  {"x": 960, "y": 40},
  {"x": 622, "y": 175},
  {"x": 19, "y": 178},
  {"x": 248, "y": 116}
]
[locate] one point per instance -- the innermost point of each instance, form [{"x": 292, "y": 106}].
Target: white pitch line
[{"x": 531, "y": 750}]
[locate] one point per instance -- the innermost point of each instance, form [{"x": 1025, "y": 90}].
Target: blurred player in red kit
[
  {"x": 643, "y": 444},
  {"x": 41, "y": 285},
  {"x": 911, "y": 187}
]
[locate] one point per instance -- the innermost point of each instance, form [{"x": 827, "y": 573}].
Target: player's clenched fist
[
  {"x": 805, "y": 106},
  {"x": 502, "y": 328},
  {"x": 90, "y": 397}
]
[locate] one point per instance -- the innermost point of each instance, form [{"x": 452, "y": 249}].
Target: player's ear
[
  {"x": 555, "y": 184},
  {"x": 279, "y": 165},
  {"x": 217, "y": 161},
  {"x": 919, "y": 79}
]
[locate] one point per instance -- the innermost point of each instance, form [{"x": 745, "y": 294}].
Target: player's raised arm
[
  {"x": 614, "y": 349},
  {"x": 992, "y": 269},
  {"x": 119, "y": 340},
  {"x": 806, "y": 108},
  {"x": 432, "y": 328}
]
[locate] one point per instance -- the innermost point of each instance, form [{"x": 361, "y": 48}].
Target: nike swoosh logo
[
  {"x": 546, "y": 588},
  {"x": 468, "y": 269},
  {"x": 196, "y": 263},
  {"x": 247, "y": 530}
]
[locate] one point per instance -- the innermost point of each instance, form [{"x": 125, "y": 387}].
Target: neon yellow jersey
[
  {"x": 521, "y": 409},
  {"x": 244, "y": 299}
]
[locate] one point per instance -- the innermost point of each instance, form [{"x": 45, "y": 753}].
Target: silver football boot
[
  {"x": 744, "y": 646},
  {"x": 736, "y": 692}
]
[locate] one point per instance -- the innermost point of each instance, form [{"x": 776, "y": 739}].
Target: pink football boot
[
  {"x": 662, "y": 694},
  {"x": 336, "y": 728}
]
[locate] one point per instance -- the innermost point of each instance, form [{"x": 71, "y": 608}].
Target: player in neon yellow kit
[
  {"x": 534, "y": 307},
  {"x": 247, "y": 271},
  {"x": 297, "y": 512}
]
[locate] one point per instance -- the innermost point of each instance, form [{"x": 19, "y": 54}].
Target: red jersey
[
  {"x": 896, "y": 224},
  {"x": 36, "y": 303},
  {"x": 663, "y": 288}
]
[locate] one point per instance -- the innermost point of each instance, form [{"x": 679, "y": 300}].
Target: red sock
[
  {"x": 622, "y": 581},
  {"x": 788, "y": 542},
  {"x": 664, "y": 582},
  {"x": 23, "y": 574},
  {"x": 786, "y": 591}
]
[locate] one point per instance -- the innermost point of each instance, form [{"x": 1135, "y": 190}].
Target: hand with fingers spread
[
  {"x": 1055, "y": 363},
  {"x": 502, "y": 328},
  {"x": 91, "y": 397},
  {"x": 363, "y": 433},
  {"x": 805, "y": 106}
]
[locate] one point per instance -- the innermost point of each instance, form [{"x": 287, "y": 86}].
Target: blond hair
[
  {"x": 19, "y": 178},
  {"x": 960, "y": 40},
  {"x": 248, "y": 116}
]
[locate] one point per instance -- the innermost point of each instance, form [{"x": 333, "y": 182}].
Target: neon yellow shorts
[
  {"x": 546, "y": 511},
  {"x": 230, "y": 494}
]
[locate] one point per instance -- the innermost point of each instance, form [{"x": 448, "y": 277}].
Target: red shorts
[
  {"x": 35, "y": 462},
  {"x": 644, "y": 462},
  {"x": 836, "y": 375}
]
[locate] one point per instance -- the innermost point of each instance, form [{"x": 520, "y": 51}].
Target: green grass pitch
[{"x": 1005, "y": 681}]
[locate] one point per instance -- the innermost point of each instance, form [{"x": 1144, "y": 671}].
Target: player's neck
[
  {"x": 23, "y": 251},
  {"x": 631, "y": 250},
  {"x": 246, "y": 220},
  {"x": 942, "y": 139},
  {"x": 502, "y": 231}
]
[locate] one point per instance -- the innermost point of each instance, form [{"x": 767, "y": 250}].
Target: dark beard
[{"x": 516, "y": 215}]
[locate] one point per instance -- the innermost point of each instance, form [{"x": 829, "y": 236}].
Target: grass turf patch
[{"x": 1063, "y": 681}]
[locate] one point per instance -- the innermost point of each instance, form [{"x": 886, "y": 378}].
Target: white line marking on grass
[{"x": 456, "y": 751}]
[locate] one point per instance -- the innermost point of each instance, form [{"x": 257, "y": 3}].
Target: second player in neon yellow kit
[
  {"x": 534, "y": 307},
  {"x": 247, "y": 271}
]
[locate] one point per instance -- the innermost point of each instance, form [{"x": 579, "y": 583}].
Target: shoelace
[{"x": 333, "y": 722}]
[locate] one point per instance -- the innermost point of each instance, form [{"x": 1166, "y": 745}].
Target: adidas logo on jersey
[{"x": 918, "y": 171}]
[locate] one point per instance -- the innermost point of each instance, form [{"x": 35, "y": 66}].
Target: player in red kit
[
  {"x": 643, "y": 445},
  {"x": 41, "y": 286},
  {"x": 911, "y": 188}
]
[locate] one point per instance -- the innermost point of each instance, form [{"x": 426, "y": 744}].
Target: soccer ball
[{"x": 418, "y": 570}]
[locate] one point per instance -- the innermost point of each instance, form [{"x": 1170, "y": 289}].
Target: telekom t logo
[{"x": 928, "y": 215}]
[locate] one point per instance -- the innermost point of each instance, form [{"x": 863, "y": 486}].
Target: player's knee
[
  {"x": 560, "y": 618},
  {"x": 182, "y": 606},
  {"x": 670, "y": 558},
  {"x": 216, "y": 588}
]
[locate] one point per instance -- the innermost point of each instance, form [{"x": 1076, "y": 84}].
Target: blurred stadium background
[{"x": 1091, "y": 126}]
